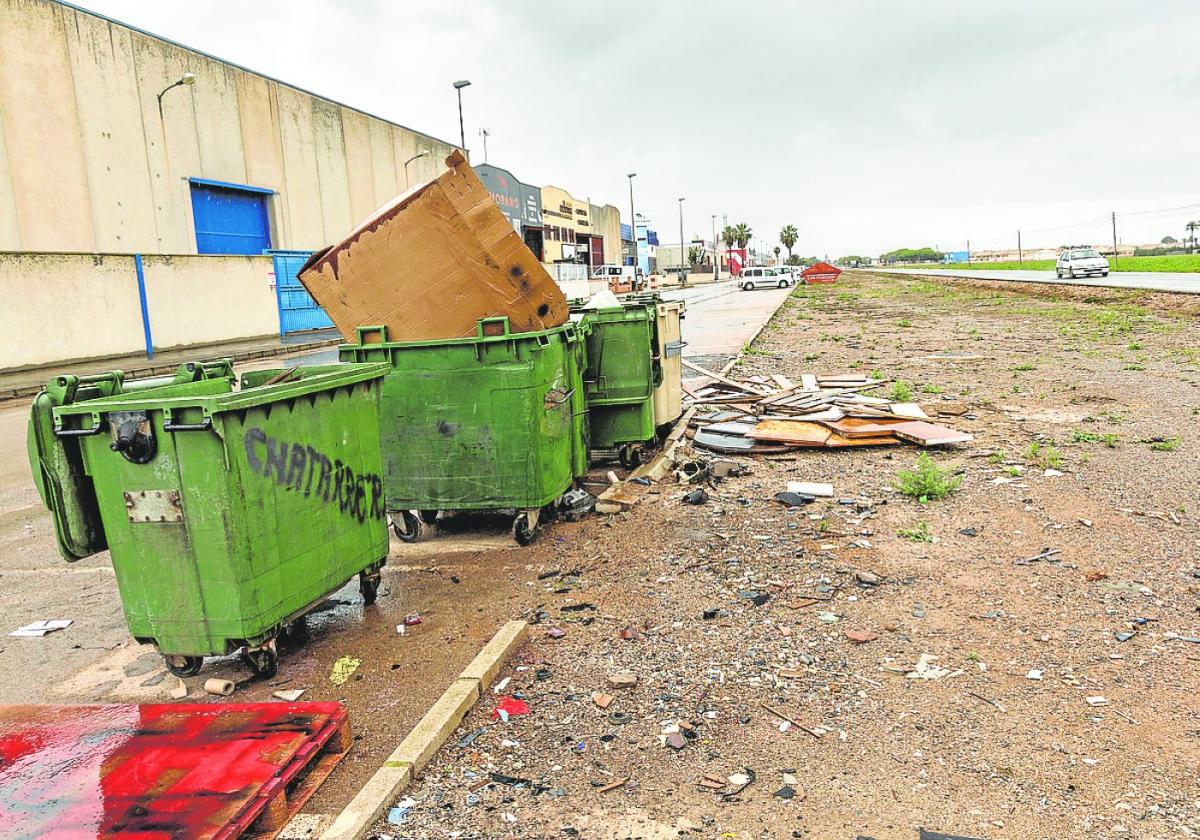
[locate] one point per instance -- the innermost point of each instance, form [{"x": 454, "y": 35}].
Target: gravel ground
[{"x": 930, "y": 683}]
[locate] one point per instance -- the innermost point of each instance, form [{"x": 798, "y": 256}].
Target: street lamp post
[
  {"x": 420, "y": 154},
  {"x": 462, "y": 135},
  {"x": 633, "y": 226},
  {"x": 716, "y": 273},
  {"x": 682, "y": 253}
]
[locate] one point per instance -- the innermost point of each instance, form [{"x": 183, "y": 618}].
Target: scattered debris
[
  {"x": 343, "y": 669},
  {"x": 696, "y": 497},
  {"x": 510, "y": 707},
  {"x": 291, "y": 695},
  {"x": 219, "y": 687},
  {"x": 810, "y": 488},
  {"x": 1045, "y": 554},
  {"x": 794, "y": 499},
  {"x": 180, "y": 690},
  {"x": 41, "y": 628},
  {"x": 623, "y": 679},
  {"x": 860, "y": 637}
]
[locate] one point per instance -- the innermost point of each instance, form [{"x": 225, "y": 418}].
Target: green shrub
[
  {"x": 901, "y": 391},
  {"x": 918, "y": 533},
  {"x": 927, "y": 482}
]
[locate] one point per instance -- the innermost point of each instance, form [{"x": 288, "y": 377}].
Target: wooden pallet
[{"x": 283, "y": 798}]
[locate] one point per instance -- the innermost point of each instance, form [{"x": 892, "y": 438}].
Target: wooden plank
[
  {"x": 858, "y": 427},
  {"x": 836, "y": 441},
  {"x": 783, "y": 382},
  {"x": 929, "y": 434},
  {"x": 740, "y": 386},
  {"x": 791, "y": 432},
  {"x": 808, "y": 382}
]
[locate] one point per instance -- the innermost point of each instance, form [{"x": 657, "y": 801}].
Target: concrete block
[
  {"x": 370, "y": 803},
  {"x": 486, "y": 664},
  {"x": 436, "y": 726}
]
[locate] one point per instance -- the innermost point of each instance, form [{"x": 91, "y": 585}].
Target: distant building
[
  {"x": 520, "y": 203},
  {"x": 955, "y": 256}
]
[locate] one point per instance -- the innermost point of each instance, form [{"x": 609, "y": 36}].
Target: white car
[
  {"x": 764, "y": 278},
  {"x": 1080, "y": 262}
]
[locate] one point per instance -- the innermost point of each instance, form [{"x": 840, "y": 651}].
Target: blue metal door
[
  {"x": 230, "y": 218},
  {"x": 297, "y": 310}
]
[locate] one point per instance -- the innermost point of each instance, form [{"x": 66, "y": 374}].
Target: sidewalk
[{"x": 16, "y": 384}]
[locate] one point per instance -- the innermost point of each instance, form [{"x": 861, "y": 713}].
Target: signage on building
[{"x": 520, "y": 203}]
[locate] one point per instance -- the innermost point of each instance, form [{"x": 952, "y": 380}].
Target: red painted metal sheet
[
  {"x": 151, "y": 772},
  {"x": 821, "y": 272}
]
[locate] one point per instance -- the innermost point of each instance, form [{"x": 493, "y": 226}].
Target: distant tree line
[{"x": 911, "y": 255}]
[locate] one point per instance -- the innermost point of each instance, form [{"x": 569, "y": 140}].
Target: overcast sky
[{"x": 868, "y": 125}]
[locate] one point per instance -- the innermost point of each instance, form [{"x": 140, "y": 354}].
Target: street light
[
  {"x": 682, "y": 256},
  {"x": 188, "y": 79},
  {"x": 462, "y": 135},
  {"x": 420, "y": 154},
  {"x": 483, "y": 132},
  {"x": 716, "y": 275},
  {"x": 633, "y": 225}
]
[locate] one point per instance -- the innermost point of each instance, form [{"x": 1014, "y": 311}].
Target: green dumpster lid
[{"x": 215, "y": 396}]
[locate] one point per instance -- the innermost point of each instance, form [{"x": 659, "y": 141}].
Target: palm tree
[
  {"x": 729, "y": 236},
  {"x": 1191, "y": 229},
  {"x": 776, "y": 253},
  {"x": 788, "y": 237},
  {"x": 743, "y": 233}
]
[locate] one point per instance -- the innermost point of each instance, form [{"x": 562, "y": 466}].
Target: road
[
  {"x": 94, "y": 659},
  {"x": 1158, "y": 281}
]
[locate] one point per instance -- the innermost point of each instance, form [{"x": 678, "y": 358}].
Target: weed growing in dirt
[
  {"x": 931, "y": 389},
  {"x": 749, "y": 350},
  {"x": 901, "y": 391},
  {"x": 1163, "y": 445},
  {"x": 917, "y": 533},
  {"x": 1134, "y": 366},
  {"x": 1044, "y": 455},
  {"x": 998, "y": 457},
  {"x": 927, "y": 482},
  {"x": 1023, "y": 367},
  {"x": 1013, "y": 472},
  {"x": 904, "y": 322},
  {"x": 1083, "y": 436}
]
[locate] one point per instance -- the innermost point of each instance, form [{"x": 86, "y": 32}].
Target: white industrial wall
[
  {"x": 65, "y": 307},
  {"x": 87, "y": 164}
]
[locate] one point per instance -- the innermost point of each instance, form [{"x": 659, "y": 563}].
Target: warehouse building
[
  {"x": 520, "y": 203},
  {"x": 115, "y": 140}
]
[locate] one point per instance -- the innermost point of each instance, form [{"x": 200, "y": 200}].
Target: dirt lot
[{"x": 1003, "y": 735}]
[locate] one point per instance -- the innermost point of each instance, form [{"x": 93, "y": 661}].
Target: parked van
[{"x": 762, "y": 278}]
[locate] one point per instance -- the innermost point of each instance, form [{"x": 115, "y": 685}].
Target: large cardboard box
[{"x": 433, "y": 262}]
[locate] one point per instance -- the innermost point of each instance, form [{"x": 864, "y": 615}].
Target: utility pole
[
  {"x": 1020, "y": 253},
  {"x": 633, "y": 226},
  {"x": 968, "y": 252},
  {"x": 483, "y": 132},
  {"x": 716, "y": 259},
  {"x": 462, "y": 136},
  {"x": 1116, "y": 259},
  {"x": 682, "y": 253}
]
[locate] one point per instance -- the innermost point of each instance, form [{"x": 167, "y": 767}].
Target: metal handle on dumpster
[
  {"x": 92, "y": 430},
  {"x": 565, "y": 397},
  {"x": 203, "y": 426}
]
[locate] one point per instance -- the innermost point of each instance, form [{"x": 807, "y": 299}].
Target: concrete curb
[{"x": 426, "y": 738}]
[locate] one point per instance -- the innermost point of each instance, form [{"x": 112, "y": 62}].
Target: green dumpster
[
  {"x": 493, "y": 422},
  {"x": 229, "y": 513},
  {"x": 622, "y": 373}
]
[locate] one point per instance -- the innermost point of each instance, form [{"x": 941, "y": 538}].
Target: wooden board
[
  {"x": 909, "y": 409},
  {"x": 791, "y": 432},
  {"x": 929, "y": 434},
  {"x": 433, "y": 262},
  {"x": 836, "y": 441},
  {"x": 859, "y": 427}
]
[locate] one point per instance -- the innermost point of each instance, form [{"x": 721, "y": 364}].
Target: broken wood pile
[{"x": 765, "y": 415}]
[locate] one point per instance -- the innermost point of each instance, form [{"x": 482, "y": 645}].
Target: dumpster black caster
[
  {"x": 183, "y": 666},
  {"x": 630, "y": 456},
  {"x": 262, "y": 661},
  {"x": 406, "y": 526},
  {"x": 368, "y": 585},
  {"x": 428, "y": 517},
  {"x": 525, "y": 527}
]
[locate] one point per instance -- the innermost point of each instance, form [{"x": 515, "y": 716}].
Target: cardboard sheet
[
  {"x": 791, "y": 432},
  {"x": 433, "y": 262}
]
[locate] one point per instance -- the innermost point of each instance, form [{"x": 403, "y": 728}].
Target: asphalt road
[
  {"x": 94, "y": 659},
  {"x": 1159, "y": 281}
]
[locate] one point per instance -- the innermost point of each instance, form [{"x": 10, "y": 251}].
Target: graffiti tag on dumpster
[{"x": 299, "y": 467}]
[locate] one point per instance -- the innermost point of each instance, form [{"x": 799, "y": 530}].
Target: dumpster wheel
[
  {"x": 368, "y": 585},
  {"x": 263, "y": 661},
  {"x": 525, "y": 527},
  {"x": 183, "y": 666},
  {"x": 630, "y": 456},
  {"x": 406, "y": 526}
]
